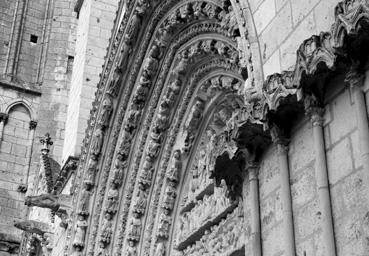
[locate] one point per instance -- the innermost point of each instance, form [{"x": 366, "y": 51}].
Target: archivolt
[{"x": 204, "y": 39}]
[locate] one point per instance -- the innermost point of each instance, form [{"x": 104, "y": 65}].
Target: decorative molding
[{"x": 145, "y": 128}]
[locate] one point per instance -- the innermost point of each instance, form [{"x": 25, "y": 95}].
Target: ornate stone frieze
[
  {"x": 225, "y": 238},
  {"x": 205, "y": 213},
  {"x": 174, "y": 132},
  {"x": 96, "y": 144}
]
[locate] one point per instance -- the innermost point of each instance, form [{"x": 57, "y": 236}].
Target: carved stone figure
[
  {"x": 194, "y": 116},
  {"x": 133, "y": 27},
  {"x": 145, "y": 177},
  {"x": 84, "y": 203},
  {"x": 141, "y": 94},
  {"x": 173, "y": 172},
  {"x": 139, "y": 205},
  {"x": 185, "y": 12},
  {"x": 210, "y": 10},
  {"x": 134, "y": 231},
  {"x": 198, "y": 10},
  {"x": 183, "y": 63},
  {"x": 229, "y": 21},
  {"x": 97, "y": 142},
  {"x": 169, "y": 197},
  {"x": 164, "y": 224},
  {"x": 79, "y": 238},
  {"x": 174, "y": 89},
  {"x": 131, "y": 251},
  {"x": 151, "y": 66},
  {"x": 118, "y": 171},
  {"x": 133, "y": 118},
  {"x": 112, "y": 201},
  {"x": 153, "y": 149},
  {"x": 125, "y": 146},
  {"x": 106, "y": 232},
  {"x": 160, "y": 249},
  {"x": 89, "y": 179},
  {"x": 107, "y": 108}
]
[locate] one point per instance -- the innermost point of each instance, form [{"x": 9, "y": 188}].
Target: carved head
[{"x": 177, "y": 154}]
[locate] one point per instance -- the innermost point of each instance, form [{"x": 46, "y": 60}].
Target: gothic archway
[{"x": 175, "y": 70}]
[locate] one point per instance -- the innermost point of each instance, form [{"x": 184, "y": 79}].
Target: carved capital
[
  {"x": 279, "y": 139},
  {"x": 314, "y": 110},
  {"x": 355, "y": 78},
  {"x": 32, "y": 124}
]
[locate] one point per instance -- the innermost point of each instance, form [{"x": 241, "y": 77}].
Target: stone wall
[
  {"x": 36, "y": 55},
  {"x": 94, "y": 30},
  {"x": 282, "y": 25}
]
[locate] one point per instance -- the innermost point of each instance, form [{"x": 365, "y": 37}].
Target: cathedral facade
[{"x": 218, "y": 127}]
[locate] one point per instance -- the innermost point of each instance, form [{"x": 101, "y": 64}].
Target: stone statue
[
  {"x": 131, "y": 251},
  {"x": 141, "y": 94},
  {"x": 174, "y": 89},
  {"x": 139, "y": 205},
  {"x": 79, "y": 238},
  {"x": 185, "y": 12},
  {"x": 118, "y": 171},
  {"x": 107, "y": 230},
  {"x": 90, "y": 176},
  {"x": 160, "y": 249},
  {"x": 133, "y": 118},
  {"x": 169, "y": 197},
  {"x": 198, "y": 10},
  {"x": 161, "y": 122},
  {"x": 151, "y": 66},
  {"x": 84, "y": 203},
  {"x": 153, "y": 149},
  {"x": 195, "y": 115},
  {"x": 134, "y": 231},
  {"x": 145, "y": 177},
  {"x": 173, "y": 172},
  {"x": 112, "y": 201},
  {"x": 209, "y": 10},
  {"x": 164, "y": 224},
  {"x": 183, "y": 62},
  {"x": 107, "y": 108},
  {"x": 97, "y": 142}
]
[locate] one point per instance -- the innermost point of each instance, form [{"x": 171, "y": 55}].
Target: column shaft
[
  {"x": 321, "y": 173},
  {"x": 255, "y": 211},
  {"x": 363, "y": 126},
  {"x": 286, "y": 201}
]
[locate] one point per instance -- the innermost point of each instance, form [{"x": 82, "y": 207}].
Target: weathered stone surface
[{"x": 171, "y": 99}]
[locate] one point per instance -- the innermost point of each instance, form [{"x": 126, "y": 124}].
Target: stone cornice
[{"x": 28, "y": 89}]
